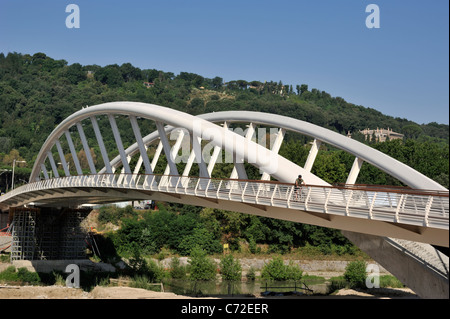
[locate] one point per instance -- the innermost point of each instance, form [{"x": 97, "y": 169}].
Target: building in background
[{"x": 381, "y": 134}]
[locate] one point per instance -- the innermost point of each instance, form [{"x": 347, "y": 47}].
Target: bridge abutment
[
  {"x": 419, "y": 266},
  {"x": 47, "y": 233}
]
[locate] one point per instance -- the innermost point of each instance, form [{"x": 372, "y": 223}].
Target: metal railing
[{"x": 398, "y": 205}]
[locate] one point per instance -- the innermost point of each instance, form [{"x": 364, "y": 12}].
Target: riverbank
[
  {"x": 59, "y": 292},
  {"x": 321, "y": 268}
]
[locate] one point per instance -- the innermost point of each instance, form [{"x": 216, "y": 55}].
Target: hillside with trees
[{"x": 38, "y": 92}]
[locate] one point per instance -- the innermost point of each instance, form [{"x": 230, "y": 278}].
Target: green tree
[
  {"x": 75, "y": 73},
  {"x": 278, "y": 271},
  {"x": 130, "y": 73},
  {"x": 202, "y": 268},
  {"x": 355, "y": 274},
  {"x": 303, "y": 88},
  {"x": 412, "y": 131},
  {"x": 217, "y": 82},
  {"x": 230, "y": 268},
  {"x": 110, "y": 75},
  {"x": 274, "y": 270},
  {"x": 202, "y": 238},
  {"x": 177, "y": 271},
  {"x": 328, "y": 167}
]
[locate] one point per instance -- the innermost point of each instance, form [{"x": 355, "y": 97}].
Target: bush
[
  {"x": 230, "y": 268},
  {"x": 200, "y": 237},
  {"x": 277, "y": 270},
  {"x": 355, "y": 274},
  {"x": 202, "y": 267},
  {"x": 9, "y": 274},
  {"x": 27, "y": 276},
  {"x": 22, "y": 275},
  {"x": 139, "y": 266},
  {"x": 388, "y": 281},
  {"x": 274, "y": 270},
  {"x": 251, "y": 274},
  {"x": 113, "y": 214},
  {"x": 176, "y": 270},
  {"x": 293, "y": 272}
]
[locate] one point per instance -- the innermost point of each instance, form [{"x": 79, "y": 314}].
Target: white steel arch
[
  {"x": 268, "y": 161},
  {"x": 362, "y": 152}
]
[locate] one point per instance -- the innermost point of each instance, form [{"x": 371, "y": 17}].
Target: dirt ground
[{"x": 59, "y": 292}]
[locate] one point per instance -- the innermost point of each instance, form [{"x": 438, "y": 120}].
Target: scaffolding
[
  {"x": 23, "y": 233},
  {"x": 48, "y": 234}
]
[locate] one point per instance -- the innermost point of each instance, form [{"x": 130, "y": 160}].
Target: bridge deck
[{"x": 394, "y": 205}]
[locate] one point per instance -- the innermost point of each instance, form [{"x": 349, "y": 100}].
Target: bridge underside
[{"x": 73, "y": 197}]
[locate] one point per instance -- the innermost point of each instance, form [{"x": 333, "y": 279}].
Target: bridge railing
[{"x": 399, "y": 205}]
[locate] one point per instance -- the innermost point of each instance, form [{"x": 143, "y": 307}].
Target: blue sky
[{"x": 400, "y": 69}]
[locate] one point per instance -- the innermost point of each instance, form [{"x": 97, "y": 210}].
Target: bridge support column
[
  {"x": 419, "y": 266},
  {"x": 47, "y": 234}
]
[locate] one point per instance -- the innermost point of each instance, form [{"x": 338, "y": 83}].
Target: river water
[{"x": 243, "y": 288}]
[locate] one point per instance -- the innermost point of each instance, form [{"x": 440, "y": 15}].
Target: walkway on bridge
[{"x": 398, "y": 212}]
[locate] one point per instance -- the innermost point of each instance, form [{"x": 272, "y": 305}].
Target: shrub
[
  {"x": 274, "y": 270},
  {"x": 139, "y": 266},
  {"x": 9, "y": 274},
  {"x": 293, "y": 272},
  {"x": 200, "y": 237},
  {"x": 113, "y": 214},
  {"x": 22, "y": 275},
  {"x": 390, "y": 281},
  {"x": 27, "y": 276},
  {"x": 277, "y": 270},
  {"x": 230, "y": 268},
  {"x": 202, "y": 267},
  {"x": 251, "y": 274},
  {"x": 355, "y": 274},
  {"x": 177, "y": 271}
]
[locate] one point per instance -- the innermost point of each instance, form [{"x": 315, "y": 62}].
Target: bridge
[{"x": 395, "y": 226}]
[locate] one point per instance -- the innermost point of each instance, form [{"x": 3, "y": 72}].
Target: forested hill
[{"x": 38, "y": 92}]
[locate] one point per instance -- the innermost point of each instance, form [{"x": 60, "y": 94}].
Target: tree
[
  {"x": 110, "y": 75},
  {"x": 355, "y": 274},
  {"x": 83, "y": 158},
  {"x": 201, "y": 238},
  {"x": 217, "y": 82},
  {"x": 242, "y": 84},
  {"x": 329, "y": 168},
  {"x": 8, "y": 159},
  {"x": 278, "y": 271},
  {"x": 130, "y": 73},
  {"x": 177, "y": 271},
  {"x": 75, "y": 73},
  {"x": 230, "y": 268},
  {"x": 303, "y": 88},
  {"x": 412, "y": 131},
  {"x": 202, "y": 267}
]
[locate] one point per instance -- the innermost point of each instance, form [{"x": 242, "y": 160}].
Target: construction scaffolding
[
  {"x": 23, "y": 246},
  {"x": 47, "y": 234}
]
